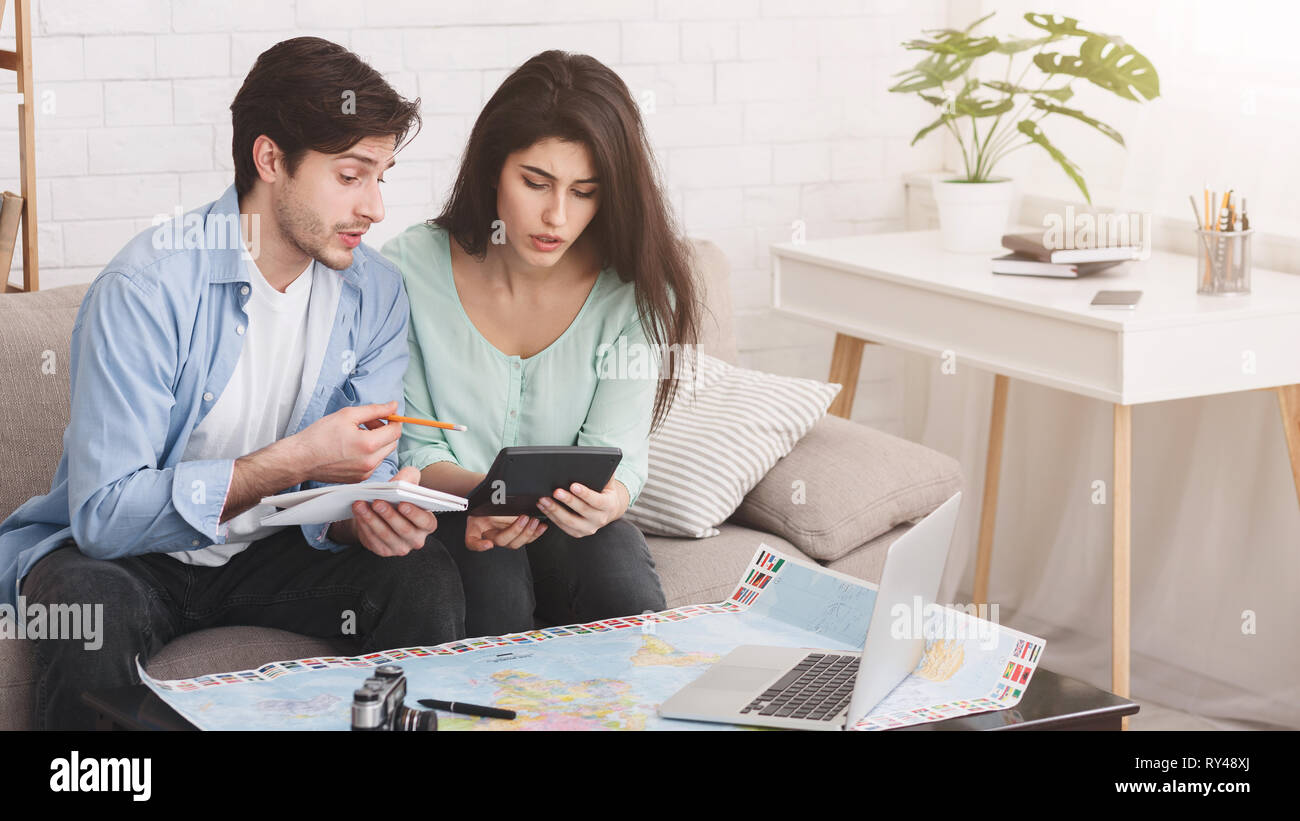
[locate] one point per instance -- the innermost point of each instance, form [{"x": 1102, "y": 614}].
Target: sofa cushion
[
  {"x": 700, "y": 571},
  {"x": 228, "y": 649},
  {"x": 868, "y": 561},
  {"x": 35, "y": 333},
  {"x": 844, "y": 484},
  {"x": 726, "y": 428}
]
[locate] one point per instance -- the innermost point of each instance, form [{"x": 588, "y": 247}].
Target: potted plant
[{"x": 992, "y": 118}]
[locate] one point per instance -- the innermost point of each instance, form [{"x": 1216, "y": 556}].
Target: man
[{"x": 206, "y": 375}]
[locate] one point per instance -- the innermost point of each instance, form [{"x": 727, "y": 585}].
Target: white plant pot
[{"x": 973, "y": 216}]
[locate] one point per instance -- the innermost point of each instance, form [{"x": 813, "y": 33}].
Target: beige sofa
[{"x": 863, "y": 490}]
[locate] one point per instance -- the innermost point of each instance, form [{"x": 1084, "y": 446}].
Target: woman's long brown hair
[{"x": 576, "y": 98}]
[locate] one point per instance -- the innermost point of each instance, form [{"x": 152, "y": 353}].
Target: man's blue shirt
[{"x": 153, "y": 346}]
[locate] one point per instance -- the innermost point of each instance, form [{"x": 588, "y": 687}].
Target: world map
[{"x": 613, "y": 674}]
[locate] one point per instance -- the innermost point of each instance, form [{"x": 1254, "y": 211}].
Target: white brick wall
[{"x": 761, "y": 112}]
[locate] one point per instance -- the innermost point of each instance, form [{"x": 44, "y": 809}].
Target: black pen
[{"x": 466, "y": 709}]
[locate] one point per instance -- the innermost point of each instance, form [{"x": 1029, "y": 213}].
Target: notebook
[
  {"x": 1031, "y": 246},
  {"x": 1028, "y": 266},
  {"x": 334, "y": 503}
]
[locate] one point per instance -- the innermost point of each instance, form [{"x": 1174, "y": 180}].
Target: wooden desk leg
[
  {"x": 1288, "y": 398},
  {"x": 846, "y": 361},
  {"x": 1121, "y": 499},
  {"x": 992, "y": 473}
]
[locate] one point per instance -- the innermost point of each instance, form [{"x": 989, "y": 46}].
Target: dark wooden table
[{"x": 1052, "y": 702}]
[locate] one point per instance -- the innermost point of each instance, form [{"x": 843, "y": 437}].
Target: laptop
[{"x": 802, "y": 689}]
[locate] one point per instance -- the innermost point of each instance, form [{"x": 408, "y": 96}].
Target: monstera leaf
[
  {"x": 965, "y": 104},
  {"x": 1017, "y": 45},
  {"x": 968, "y": 105},
  {"x": 1062, "y": 94},
  {"x": 967, "y": 30},
  {"x": 1044, "y": 105},
  {"x": 1102, "y": 62},
  {"x": 932, "y": 72},
  {"x": 1031, "y": 130},
  {"x": 944, "y": 118},
  {"x": 958, "y": 45},
  {"x": 1057, "y": 26}
]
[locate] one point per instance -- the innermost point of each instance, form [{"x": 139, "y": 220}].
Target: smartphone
[{"x": 1116, "y": 299}]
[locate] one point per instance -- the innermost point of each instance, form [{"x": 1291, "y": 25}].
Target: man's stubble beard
[{"x": 302, "y": 228}]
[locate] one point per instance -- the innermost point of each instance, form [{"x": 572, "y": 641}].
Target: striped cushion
[{"x": 724, "y": 432}]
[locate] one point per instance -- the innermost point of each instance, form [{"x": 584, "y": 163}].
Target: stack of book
[{"x": 1029, "y": 257}]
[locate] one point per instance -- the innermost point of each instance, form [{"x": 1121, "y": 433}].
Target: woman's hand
[
  {"x": 486, "y": 532},
  {"x": 584, "y": 511}
]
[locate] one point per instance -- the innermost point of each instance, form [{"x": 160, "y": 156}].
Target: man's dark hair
[{"x": 310, "y": 94}]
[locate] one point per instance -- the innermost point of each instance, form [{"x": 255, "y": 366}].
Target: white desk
[{"x": 902, "y": 290}]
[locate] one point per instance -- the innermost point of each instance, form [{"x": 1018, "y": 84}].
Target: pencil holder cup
[{"x": 1223, "y": 262}]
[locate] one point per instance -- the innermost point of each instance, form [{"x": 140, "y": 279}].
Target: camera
[{"x": 380, "y": 704}]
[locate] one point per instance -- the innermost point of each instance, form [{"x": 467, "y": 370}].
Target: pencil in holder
[{"x": 1223, "y": 262}]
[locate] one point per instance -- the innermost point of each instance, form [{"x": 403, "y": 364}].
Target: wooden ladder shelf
[{"x": 19, "y": 61}]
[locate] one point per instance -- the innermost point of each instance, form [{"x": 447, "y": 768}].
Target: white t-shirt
[{"x": 285, "y": 338}]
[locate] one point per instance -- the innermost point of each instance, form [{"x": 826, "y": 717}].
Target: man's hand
[
  {"x": 584, "y": 511},
  {"x": 486, "y": 532},
  {"x": 385, "y": 530},
  {"x": 335, "y": 450}
]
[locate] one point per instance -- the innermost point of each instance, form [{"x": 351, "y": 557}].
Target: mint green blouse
[{"x": 584, "y": 389}]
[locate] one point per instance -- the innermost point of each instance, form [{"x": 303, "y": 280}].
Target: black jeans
[
  {"x": 280, "y": 581},
  {"x": 556, "y": 579}
]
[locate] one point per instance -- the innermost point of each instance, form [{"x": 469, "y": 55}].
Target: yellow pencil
[
  {"x": 1209, "y": 226},
  {"x": 428, "y": 422}
]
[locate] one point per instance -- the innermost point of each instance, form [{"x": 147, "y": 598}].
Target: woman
[{"x": 553, "y": 264}]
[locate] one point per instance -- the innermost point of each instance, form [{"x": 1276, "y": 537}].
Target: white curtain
[{"x": 1215, "y": 536}]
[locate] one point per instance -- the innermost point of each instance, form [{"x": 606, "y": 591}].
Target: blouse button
[
  {"x": 516, "y": 366},
  {"x": 240, "y": 330},
  {"x": 207, "y": 397},
  {"x": 514, "y": 413},
  {"x": 244, "y": 290}
]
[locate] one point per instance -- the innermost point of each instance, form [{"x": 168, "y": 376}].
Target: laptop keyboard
[{"x": 817, "y": 688}]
